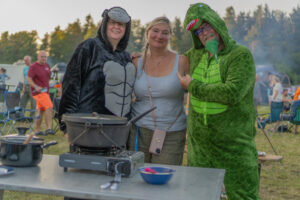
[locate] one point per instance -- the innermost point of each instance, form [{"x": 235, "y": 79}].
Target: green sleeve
[{"x": 239, "y": 78}]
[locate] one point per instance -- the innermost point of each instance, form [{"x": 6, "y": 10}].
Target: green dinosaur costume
[{"x": 221, "y": 120}]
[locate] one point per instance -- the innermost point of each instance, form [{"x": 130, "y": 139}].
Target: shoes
[
  {"x": 39, "y": 133},
  {"x": 49, "y": 132}
]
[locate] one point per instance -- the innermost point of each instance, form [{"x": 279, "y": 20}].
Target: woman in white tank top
[{"x": 157, "y": 85}]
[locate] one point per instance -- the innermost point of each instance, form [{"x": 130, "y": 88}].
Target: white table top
[{"x": 48, "y": 178}]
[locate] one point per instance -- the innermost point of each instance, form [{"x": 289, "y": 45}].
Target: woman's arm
[{"x": 184, "y": 65}]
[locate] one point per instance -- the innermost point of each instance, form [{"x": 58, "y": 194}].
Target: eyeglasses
[{"x": 200, "y": 31}]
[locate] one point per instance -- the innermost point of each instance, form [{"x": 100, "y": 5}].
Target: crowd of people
[
  {"x": 283, "y": 104},
  {"x": 218, "y": 74}
]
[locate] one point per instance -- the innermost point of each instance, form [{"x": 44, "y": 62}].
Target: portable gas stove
[{"x": 109, "y": 160}]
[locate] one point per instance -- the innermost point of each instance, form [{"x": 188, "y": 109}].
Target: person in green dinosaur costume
[{"x": 221, "y": 117}]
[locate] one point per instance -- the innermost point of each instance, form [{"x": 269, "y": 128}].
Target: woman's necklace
[{"x": 161, "y": 60}]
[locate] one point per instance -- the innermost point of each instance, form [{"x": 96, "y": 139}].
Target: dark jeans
[{"x": 28, "y": 97}]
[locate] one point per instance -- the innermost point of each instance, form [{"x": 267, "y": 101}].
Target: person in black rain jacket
[{"x": 100, "y": 75}]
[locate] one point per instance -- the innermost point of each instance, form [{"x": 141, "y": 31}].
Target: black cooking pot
[
  {"x": 14, "y": 153},
  {"x": 98, "y": 130}
]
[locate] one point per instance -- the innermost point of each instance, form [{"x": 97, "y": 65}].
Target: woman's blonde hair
[
  {"x": 275, "y": 78},
  {"x": 158, "y": 20}
]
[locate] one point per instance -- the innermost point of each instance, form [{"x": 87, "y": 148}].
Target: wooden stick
[{"x": 28, "y": 139}]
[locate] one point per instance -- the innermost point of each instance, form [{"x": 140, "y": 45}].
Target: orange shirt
[{"x": 297, "y": 93}]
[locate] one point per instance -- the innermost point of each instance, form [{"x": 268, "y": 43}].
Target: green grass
[{"x": 278, "y": 181}]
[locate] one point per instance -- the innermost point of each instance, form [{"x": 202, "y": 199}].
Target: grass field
[{"x": 279, "y": 181}]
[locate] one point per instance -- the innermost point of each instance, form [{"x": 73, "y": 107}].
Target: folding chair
[
  {"x": 273, "y": 117},
  {"x": 293, "y": 117},
  {"x": 55, "y": 123},
  {"x": 19, "y": 86},
  {"x": 3, "y": 115},
  {"x": 14, "y": 112},
  {"x": 3, "y": 122},
  {"x": 2, "y": 92},
  {"x": 296, "y": 120}
]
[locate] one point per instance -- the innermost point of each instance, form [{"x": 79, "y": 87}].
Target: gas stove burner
[
  {"x": 126, "y": 162},
  {"x": 112, "y": 151}
]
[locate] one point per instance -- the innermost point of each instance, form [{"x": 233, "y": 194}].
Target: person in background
[
  {"x": 157, "y": 85},
  {"x": 3, "y": 78},
  {"x": 276, "y": 101},
  {"x": 38, "y": 77},
  {"x": 221, "y": 120},
  {"x": 27, "y": 96},
  {"x": 297, "y": 94},
  {"x": 287, "y": 100},
  {"x": 100, "y": 75},
  {"x": 89, "y": 84},
  {"x": 294, "y": 107}
]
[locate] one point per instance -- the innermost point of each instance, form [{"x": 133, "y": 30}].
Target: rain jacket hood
[{"x": 200, "y": 13}]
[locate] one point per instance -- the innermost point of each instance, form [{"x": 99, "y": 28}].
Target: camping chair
[
  {"x": 273, "y": 117},
  {"x": 3, "y": 115},
  {"x": 294, "y": 118},
  {"x": 55, "y": 122},
  {"x": 19, "y": 87},
  {"x": 3, "y": 122},
  {"x": 14, "y": 112},
  {"x": 2, "y": 92}
]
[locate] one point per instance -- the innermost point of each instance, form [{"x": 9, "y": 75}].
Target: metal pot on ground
[
  {"x": 14, "y": 153},
  {"x": 97, "y": 130}
]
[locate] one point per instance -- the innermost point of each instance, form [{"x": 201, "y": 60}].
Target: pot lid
[
  {"x": 19, "y": 139},
  {"x": 93, "y": 118}
]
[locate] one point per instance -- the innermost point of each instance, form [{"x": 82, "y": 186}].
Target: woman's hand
[
  {"x": 184, "y": 80},
  {"x": 134, "y": 55}
]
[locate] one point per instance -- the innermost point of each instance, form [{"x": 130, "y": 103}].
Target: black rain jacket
[{"x": 84, "y": 81}]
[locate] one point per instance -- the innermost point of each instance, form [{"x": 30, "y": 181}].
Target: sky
[{"x": 45, "y": 15}]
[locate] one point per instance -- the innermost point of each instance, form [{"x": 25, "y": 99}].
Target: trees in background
[
  {"x": 16, "y": 46},
  {"x": 272, "y": 36}
]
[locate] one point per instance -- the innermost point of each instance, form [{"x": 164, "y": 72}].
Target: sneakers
[
  {"x": 49, "y": 132},
  {"x": 39, "y": 133}
]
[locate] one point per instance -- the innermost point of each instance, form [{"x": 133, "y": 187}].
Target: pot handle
[
  {"x": 49, "y": 144},
  {"x": 133, "y": 120}
]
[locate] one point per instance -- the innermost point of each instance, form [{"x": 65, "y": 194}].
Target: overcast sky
[{"x": 45, "y": 15}]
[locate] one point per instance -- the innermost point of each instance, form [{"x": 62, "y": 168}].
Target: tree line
[{"x": 271, "y": 35}]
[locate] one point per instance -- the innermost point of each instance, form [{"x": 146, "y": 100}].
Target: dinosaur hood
[{"x": 199, "y": 13}]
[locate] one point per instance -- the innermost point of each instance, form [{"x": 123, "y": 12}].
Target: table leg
[
  {"x": 259, "y": 169},
  {"x": 1, "y": 194}
]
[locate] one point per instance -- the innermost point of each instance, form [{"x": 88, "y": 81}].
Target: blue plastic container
[{"x": 161, "y": 176}]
